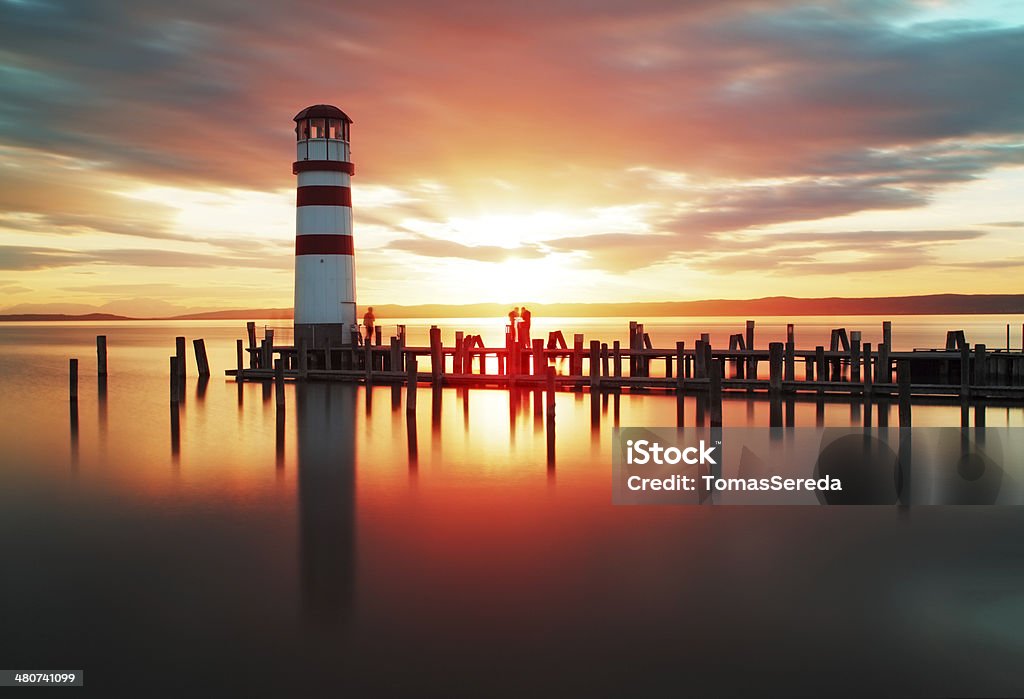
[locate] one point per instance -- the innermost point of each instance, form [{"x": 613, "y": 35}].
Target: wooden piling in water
[
  {"x": 73, "y": 378},
  {"x": 680, "y": 373},
  {"x": 604, "y": 359},
  {"x": 250, "y": 331},
  {"x": 820, "y": 369},
  {"x": 412, "y": 379},
  {"x": 867, "y": 368},
  {"x": 749, "y": 345},
  {"x": 550, "y": 392},
  {"x": 699, "y": 369},
  {"x": 540, "y": 363},
  {"x": 775, "y": 350},
  {"x": 179, "y": 352},
  {"x": 980, "y": 365},
  {"x": 101, "y": 354},
  {"x": 617, "y": 359},
  {"x": 396, "y": 355},
  {"x": 202, "y": 362},
  {"x": 436, "y": 356},
  {"x": 458, "y": 354},
  {"x": 378, "y": 334},
  {"x": 595, "y": 365},
  {"x": 855, "y": 350},
  {"x": 239, "y": 359},
  {"x": 576, "y": 368},
  {"x": 903, "y": 379},
  {"x": 883, "y": 374}
]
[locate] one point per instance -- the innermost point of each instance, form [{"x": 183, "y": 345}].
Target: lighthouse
[{"x": 325, "y": 277}]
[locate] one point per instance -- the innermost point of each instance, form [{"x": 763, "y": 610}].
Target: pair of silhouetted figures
[{"x": 519, "y": 325}]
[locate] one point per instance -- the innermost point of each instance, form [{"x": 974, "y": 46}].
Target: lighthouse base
[{"x": 323, "y": 335}]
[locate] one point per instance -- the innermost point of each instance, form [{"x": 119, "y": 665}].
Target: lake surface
[{"x": 352, "y": 550}]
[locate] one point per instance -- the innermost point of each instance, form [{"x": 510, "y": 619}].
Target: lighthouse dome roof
[{"x": 322, "y": 111}]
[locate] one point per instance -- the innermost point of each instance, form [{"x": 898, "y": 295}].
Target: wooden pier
[{"x": 847, "y": 367}]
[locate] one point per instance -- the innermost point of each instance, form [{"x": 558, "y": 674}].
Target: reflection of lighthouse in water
[{"x": 325, "y": 417}]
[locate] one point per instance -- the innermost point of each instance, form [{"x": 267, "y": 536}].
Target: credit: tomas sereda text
[{"x": 816, "y": 466}]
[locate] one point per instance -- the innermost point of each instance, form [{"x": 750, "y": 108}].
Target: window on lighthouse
[
  {"x": 317, "y": 128},
  {"x": 333, "y": 130},
  {"x": 303, "y": 130}
]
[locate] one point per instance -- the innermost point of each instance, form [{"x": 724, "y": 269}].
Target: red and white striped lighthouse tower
[{"x": 325, "y": 276}]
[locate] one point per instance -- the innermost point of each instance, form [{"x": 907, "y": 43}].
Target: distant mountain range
[{"x": 935, "y": 304}]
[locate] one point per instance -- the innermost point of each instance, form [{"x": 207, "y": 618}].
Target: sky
[{"x": 565, "y": 151}]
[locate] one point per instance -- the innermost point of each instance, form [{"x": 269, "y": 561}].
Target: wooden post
[
  {"x": 239, "y": 353},
  {"x": 855, "y": 356},
  {"x": 279, "y": 383},
  {"x": 202, "y": 363},
  {"x": 883, "y": 354},
  {"x": 179, "y": 352},
  {"x": 540, "y": 362},
  {"x": 680, "y": 374},
  {"x": 436, "y": 355},
  {"x": 378, "y": 333},
  {"x": 604, "y": 359},
  {"x": 715, "y": 392},
  {"x": 617, "y": 358},
  {"x": 820, "y": 370},
  {"x": 903, "y": 377},
  {"x": 396, "y": 354},
  {"x": 790, "y": 361},
  {"x": 965, "y": 371},
  {"x": 577, "y": 355},
  {"x": 458, "y": 356},
  {"x": 368, "y": 361},
  {"x": 550, "y": 392},
  {"x": 980, "y": 368},
  {"x": 867, "y": 368},
  {"x": 699, "y": 369},
  {"x": 303, "y": 358},
  {"x": 412, "y": 378},
  {"x": 632, "y": 346},
  {"x": 73, "y": 379},
  {"x": 751, "y": 362},
  {"x": 250, "y": 331},
  {"x": 775, "y": 367},
  {"x": 101, "y": 353},
  {"x": 595, "y": 365},
  {"x": 329, "y": 356}
]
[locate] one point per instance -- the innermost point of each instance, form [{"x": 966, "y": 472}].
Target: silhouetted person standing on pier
[
  {"x": 368, "y": 321},
  {"x": 513, "y": 318},
  {"x": 524, "y": 326}
]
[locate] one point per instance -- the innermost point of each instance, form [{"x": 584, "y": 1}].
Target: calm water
[{"x": 353, "y": 551}]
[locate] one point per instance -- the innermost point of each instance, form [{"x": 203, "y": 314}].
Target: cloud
[
  {"x": 22, "y": 258},
  {"x": 433, "y": 247}
]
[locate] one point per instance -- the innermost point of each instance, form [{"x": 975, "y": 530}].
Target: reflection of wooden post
[
  {"x": 775, "y": 367},
  {"x": 279, "y": 383},
  {"x": 715, "y": 392},
  {"x": 412, "y": 377},
  {"x": 202, "y": 362},
  {"x": 175, "y": 392},
  {"x": 550, "y": 380},
  {"x": 903, "y": 378},
  {"x": 303, "y": 358}
]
